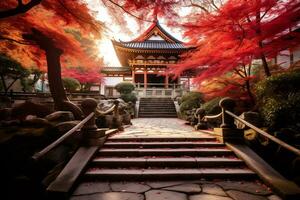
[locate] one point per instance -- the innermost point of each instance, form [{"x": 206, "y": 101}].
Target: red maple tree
[
  {"x": 50, "y": 34},
  {"x": 238, "y": 32}
]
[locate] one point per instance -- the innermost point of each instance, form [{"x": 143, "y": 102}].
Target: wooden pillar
[
  {"x": 133, "y": 75},
  {"x": 166, "y": 81},
  {"x": 145, "y": 78}
]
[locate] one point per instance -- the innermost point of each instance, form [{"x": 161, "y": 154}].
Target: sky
[{"x": 115, "y": 32}]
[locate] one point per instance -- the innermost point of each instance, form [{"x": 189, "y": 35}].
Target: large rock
[
  {"x": 60, "y": 116},
  {"x": 251, "y": 117},
  {"x": 29, "y": 107},
  {"x": 63, "y": 127},
  {"x": 36, "y": 122},
  {"x": 5, "y": 114}
]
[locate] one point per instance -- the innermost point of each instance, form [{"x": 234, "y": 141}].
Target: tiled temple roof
[{"x": 151, "y": 45}]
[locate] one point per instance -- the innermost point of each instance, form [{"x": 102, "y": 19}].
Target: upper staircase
[{"x": 156, "y": 108}]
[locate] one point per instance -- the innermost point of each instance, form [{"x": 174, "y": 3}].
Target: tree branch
[
  {"x": 129, "y": 13},
  {"x": 21, "y": 8},
  {"x": 15, "y": 41},
  {"x": 199, "y": 6}
]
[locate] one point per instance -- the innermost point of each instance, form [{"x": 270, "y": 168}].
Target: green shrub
[
  {"x": 212, "y": 107},
  {"x": 189, "y": 101},
  {"x": 124, "y": 87},
  {"x": 71, "y": 84},
  {"x": 192, "y": 96},
  {"x": 129, "y": 97},
  {"x": 278, "y": 98}
]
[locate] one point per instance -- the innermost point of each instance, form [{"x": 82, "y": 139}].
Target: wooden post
[
  {"x": 145, "y": 78},
  {"x": 200, "y": 113},
  {"x": 228, "y": 130},
  {"x": 91, "y": 135},
  {"x": 166, "y": 81},
  {"x": 227, "y": 120},
  {"x": 133, "y": 76}
]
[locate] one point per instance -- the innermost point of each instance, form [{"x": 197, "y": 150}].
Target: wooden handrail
[
  {"x": 212, "y": 116},
  {"x": 54, "y": 144},
  {"x": 274, "y": 139}
]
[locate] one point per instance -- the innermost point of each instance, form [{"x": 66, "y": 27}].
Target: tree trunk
[
  {"x": 264, "y": 61},
  {"x": 54, "y": 76},
  {"x": 260, "y": 44},
  {"x": 53, "y": 54}
]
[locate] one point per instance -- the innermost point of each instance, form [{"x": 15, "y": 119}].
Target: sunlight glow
[
  {"x": 108, "y": 53},
  {"x": 114, "y": 31}
]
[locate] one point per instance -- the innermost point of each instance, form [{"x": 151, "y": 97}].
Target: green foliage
[
  {"x": 124, "y": 87},
  {"x": 192, "y": 96},
  {"x": 10, "y": 70},
  {"x": 212, "y": 107},
  {"x": 278, "y": 97},
  {"x": 71, "y": 84},
  {"x": 189, "y": 101},
  {"x": 129, "y": 97}
]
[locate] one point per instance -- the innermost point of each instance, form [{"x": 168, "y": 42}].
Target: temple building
[{"x": 144, "y": 61}]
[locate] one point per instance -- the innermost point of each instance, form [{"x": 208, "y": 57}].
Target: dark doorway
[{"x": 139, "y": 78}]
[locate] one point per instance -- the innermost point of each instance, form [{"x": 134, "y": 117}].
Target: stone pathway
[
  {"x": 170, "y": 190},
  {"x": 159, "y": 127},
  {"x": 184, "y": 190}
]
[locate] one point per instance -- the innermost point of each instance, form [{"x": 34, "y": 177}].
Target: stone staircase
[
  {"x": 166, "y": 159},
  {"x": 157, "y": 107}
]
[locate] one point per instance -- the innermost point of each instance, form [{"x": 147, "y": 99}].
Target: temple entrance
[{"x": 155, "y": 81}]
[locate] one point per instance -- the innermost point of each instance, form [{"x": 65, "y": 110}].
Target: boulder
[
  {"x": 251, "y": 117},
  {"x": 36, "y": 122},
  {"x": 60, "y": 116},
  {"x": 63, "y": 127},
  {"x": 5, "y": 114},
  {"x": 20, "y": 111}
]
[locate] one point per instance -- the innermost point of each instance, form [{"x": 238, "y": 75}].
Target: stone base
[
  {"x": 93, "y": 141},
  {"x": 97, "y": 133},
  {"x": 228, "y": 134}
]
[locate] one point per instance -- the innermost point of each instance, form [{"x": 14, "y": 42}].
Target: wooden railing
[
  {"x": 228, "y": 118},
  {"x": 158, "y": 90},
  {"x": 89, "y": 130}
]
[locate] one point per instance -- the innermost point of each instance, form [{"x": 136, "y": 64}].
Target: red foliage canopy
[
  {"x": 82, "y": 75},
  {"x": 238, "y": 32},
  {"x": 68, "y": 23}
]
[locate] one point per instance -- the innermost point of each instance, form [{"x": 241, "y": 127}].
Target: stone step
[
  {"x": 165, "y": 152},
  {"x": 170, "y": 174},
  {"x": 157, "y": 112},
  {"x": 161, "y": 139},
  {"x": 157, "y": 116},
  {"x": 157, "y": 106},
  {"x": 120, "y": 145},
  {"x": 169, "y": 162}
]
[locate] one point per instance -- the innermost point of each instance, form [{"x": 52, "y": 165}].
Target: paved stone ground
[
  {"x": 185, "y": 190},
  {"x": 160, "y": 127},
  {"x": 167, "y": 190}
]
